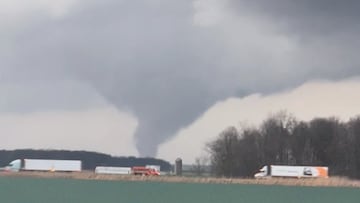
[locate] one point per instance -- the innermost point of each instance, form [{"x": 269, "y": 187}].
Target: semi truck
[
  {"x": 44, "y": 165},
  {"x": 292, "y": 171},
  {"x": 148, "y": 170}
]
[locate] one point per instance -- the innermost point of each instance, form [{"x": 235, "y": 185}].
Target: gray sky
[{"x": 165, "y": 61}]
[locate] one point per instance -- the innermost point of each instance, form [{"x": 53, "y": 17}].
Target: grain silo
[{"x": 178, "y": 167}]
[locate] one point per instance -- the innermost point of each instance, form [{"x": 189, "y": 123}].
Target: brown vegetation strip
[{"x": 326, "y": 182}]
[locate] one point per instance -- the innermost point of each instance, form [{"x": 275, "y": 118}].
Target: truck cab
[
  {"x": 14, "y": 166},
  {"x": 140, "y": 170},
  {"x": 263, "y": 172}
]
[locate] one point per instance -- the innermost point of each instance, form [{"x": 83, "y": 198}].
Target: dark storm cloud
[
  {"x": 319, "y": 17},
  {"x": 326, "y": 32},
  {"x": 149, "y": 57}
]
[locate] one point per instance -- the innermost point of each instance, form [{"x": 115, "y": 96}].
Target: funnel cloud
[{"x": 165, "y": 61}]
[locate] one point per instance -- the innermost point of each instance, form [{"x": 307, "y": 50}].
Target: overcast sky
[{"x": 156, "y": 66}]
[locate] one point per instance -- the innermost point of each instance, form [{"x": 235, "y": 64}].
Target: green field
[{"x": 37, "y": 190}]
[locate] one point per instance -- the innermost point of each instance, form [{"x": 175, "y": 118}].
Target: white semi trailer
[
  {"x": 44, "y": 165},
  {"x": 113, "y": 170},
  {"x": 292, "y": 171}
]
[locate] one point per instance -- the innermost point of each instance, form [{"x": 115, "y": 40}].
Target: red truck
[{"x": 141, "y": 170}]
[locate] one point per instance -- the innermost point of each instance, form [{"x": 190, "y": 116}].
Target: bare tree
[
  {"x": 223, "y": 153},
  {"x": 354, "y": 140},
  {"x": 276, "y": 133},
  {"x": 199, "y": 167}
]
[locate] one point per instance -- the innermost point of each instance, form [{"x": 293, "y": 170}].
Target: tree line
[
  {"x": 89, "y": 159},
  {"x": 282, "y": 139}
]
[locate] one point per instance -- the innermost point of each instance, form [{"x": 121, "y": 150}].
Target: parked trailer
[
  {"x": 292, "y": 171},
  {"x": 113, "y": 170},
  {"x": 44, "y": 165}
]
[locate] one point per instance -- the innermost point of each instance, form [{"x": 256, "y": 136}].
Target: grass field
[{"x": 54, "y": 190}]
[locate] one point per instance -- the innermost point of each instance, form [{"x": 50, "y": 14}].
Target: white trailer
[
  {"x": 44, "y": 165},
  {"x": 292, "y": 171},
  {"x": 113, "y": 170}
]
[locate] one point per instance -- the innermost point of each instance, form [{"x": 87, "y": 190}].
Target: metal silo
[{"x": 178, "y": 167}]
